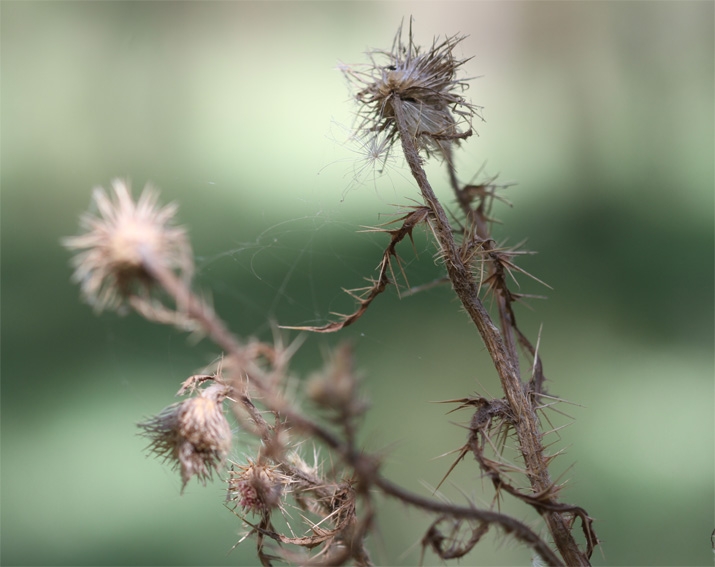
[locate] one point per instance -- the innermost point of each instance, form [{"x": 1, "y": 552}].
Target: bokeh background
[{"x": 601, "y": 112}]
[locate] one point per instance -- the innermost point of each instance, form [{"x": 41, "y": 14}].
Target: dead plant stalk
[{"x": 462, "y": 280}]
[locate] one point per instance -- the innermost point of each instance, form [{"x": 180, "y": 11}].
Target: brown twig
[
  {"x": 365, "y": 296},
  {"x": 507, "y": 523},
  {"x": 526, "y": 422},
  {"x": 365, "y": 467}
]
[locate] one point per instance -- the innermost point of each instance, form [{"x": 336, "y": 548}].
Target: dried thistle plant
[{"x": 132, "y": 255}]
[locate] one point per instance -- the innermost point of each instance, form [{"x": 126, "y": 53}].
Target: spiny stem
[
  {"x": 481, "y": 230},
  {"x": 509, "y": 524},
  {"x": 526, "y": 422},
  {"x": 365, "y": 466}
]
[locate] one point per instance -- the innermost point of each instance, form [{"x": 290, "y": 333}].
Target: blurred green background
[{"x": 603, "y": 114}]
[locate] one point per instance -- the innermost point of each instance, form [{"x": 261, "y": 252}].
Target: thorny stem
[
  {"x": 509, "y": 524},
  {"x": 219, "y": 333},
  {"x": 364, "y": 466},
  {"x": 367, "y": 470},
  {"x": 481, "y": 231},
  {"x": 526, "y": 422}
]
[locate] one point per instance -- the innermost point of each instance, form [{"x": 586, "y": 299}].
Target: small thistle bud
[
  {"x": 335, "y": 387},
  {"x": 194, "y": 434},
  {"x": 120, "y": 239},
  {"x": 255, "y": 487},
  {"x": 427, "y": 87}
]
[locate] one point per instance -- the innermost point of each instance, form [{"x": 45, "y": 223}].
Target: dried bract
[
  {"x": 427, "y": 85},
  {"x": 118, "y": 241},
  {"x": 194, "y": 434},
  {"x": 255, "y": 487}
]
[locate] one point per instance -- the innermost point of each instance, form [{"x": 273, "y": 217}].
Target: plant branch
[
  {"x": 365, "y": 467},
  {"x": 509, "y": 524},
  {"x": 194, "y": 307},
  {"x": 526, "y": 422}
]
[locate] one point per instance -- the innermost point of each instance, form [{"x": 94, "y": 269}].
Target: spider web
[{"x": 296, "y": 270}]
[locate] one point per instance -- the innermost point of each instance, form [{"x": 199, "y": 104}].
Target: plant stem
[
  {"x": 365, "y": 466},
  {"x": 526, "y": 423},
  {"x": 509, "y": 524},
  {"x": 481, "y": 231},
  {"x": 196, "y": 309}
]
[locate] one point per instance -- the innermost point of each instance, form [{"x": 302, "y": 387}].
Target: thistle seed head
[
  {"x": 255, "y": 487},
  {"x": 427, "y": 85},
  {"x": 116, "y": 243},
  {"x": 194, "y": 434}
]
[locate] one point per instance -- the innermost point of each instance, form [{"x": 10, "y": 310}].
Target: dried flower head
[
  {"x": 117, "y": 243},
  {"x": 255, "y": 487},
  {"x": 194, "y": 434},
  {"x": 336, "y": 387},
  {"x": 426, "y": 84}
]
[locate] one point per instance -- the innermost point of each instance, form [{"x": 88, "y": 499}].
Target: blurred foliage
[{"x": 603, "y": 113}]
